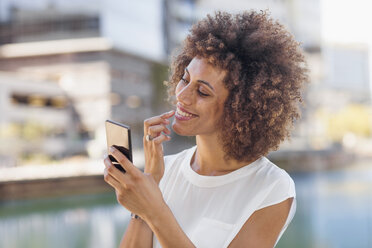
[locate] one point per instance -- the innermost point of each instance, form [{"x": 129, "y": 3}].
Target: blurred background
[{"x": 67, "y": 66}]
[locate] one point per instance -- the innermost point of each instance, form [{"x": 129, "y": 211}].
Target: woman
[{"x": 237, "y": 83}]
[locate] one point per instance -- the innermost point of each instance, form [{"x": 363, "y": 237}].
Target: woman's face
[{"x": 200, "y": 99}]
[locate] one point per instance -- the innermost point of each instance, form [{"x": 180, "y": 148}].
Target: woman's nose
[{"x": 184, "y": 95}]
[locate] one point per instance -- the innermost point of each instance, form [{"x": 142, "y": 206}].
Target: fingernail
[{"x": 112, "y": 149}]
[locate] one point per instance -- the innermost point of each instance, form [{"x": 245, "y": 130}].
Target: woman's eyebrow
[{"x": 201, "y": 81}]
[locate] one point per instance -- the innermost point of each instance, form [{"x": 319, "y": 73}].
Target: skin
[
  {"x": 208, "y": 111},
  {"x": 201, "y": 92}
]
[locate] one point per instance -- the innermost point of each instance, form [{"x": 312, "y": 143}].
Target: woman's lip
[
  {"x": 183, "y": 118},
  {"x": 183, "y": 115},
  {"x": 184, "y": 110}
]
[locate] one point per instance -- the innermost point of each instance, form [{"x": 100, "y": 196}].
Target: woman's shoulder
[
  {"x": 278, "y": 183},
  {"x": 270, "y": 171}
]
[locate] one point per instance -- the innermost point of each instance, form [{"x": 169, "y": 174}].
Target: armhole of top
[
  {"x": 239, "y": 225},
  {"x": 290, "y": 216},
  {"x": 290, "y": 194}
]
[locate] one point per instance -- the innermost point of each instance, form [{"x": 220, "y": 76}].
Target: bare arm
[
  {"x": 138, "y": 234},
  {"x": 263, "y": 227},
  {"x": 167, "y": 230},
  {"x": 165, "y": 227},
  {"x": 136, "y": 191}
]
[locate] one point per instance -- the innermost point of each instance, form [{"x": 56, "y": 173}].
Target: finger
[
  {"x": 123, "y": 161},
  {"x": 157, "y": 120},
  {"x": 113, "y": 171},
  {"x": 157, "y": 129},
  {"x": 108, "y": 177},
  {"x": 161, "y": 138},
  {"x": 112, "y": 181},
  {"x": 153, "y": 121},
  {"x": 168, "y": 114}
]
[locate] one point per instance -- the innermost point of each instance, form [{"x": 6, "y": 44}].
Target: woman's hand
[
  {"x": 136, "y": 191},
  {"x": 139, "y": 193},
  {"x": 158, "y": 132}
]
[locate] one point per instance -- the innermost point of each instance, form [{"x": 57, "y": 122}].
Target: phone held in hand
[{"x": 118, "y": 135}]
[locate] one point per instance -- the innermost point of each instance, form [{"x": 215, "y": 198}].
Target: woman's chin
[{"x": 178, "y": 129}]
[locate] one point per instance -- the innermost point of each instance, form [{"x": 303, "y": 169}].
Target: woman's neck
[{"x": 209, "y": 159}]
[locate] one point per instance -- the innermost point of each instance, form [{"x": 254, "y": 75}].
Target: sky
[{"x": 346, "y": 21}]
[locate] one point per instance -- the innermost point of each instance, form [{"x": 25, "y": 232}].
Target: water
[
  {"x": 334, "y": 209},
  {"x": 79, "y": 221}
]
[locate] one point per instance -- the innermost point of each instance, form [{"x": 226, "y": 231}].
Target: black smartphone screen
[{"x": 118, "y": 135}]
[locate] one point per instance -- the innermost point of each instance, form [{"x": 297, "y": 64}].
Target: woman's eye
[
  {"x": 185, "y": 81},
  {"x": 199, "y": 91},
  {"x": 202, "y": 94}
]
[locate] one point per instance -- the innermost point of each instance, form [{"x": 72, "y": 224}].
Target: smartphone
[{"x": 118, "y": 135}]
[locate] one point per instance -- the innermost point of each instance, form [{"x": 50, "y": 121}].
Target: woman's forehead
[{"x": 199, "y": 67}]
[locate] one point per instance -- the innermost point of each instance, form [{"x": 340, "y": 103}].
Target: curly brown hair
[{"x": 265, "y": 74}]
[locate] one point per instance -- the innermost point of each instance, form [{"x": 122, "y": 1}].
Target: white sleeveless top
[{"x": 211, "y": 210}]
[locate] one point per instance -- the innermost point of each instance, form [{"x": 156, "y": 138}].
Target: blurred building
[
  {"x": 135, "y": 26},
  {"x": 24, "y": 21},
  {"x": 60, "y": 81},
  {"x": 301, "y": 17},
  {"x": 84, "y": 62},
  {"x": 72, "y": 92},
  {"x": 343, "y": 103}
]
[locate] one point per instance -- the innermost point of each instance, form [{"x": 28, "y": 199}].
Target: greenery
[
  {"x": 28, "y": 131},
  {"x": 353, "y": 118},
  {"x": 159, "y": 75}
]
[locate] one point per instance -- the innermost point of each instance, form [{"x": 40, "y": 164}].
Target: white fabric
[{"x": 212, "y": 209}]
